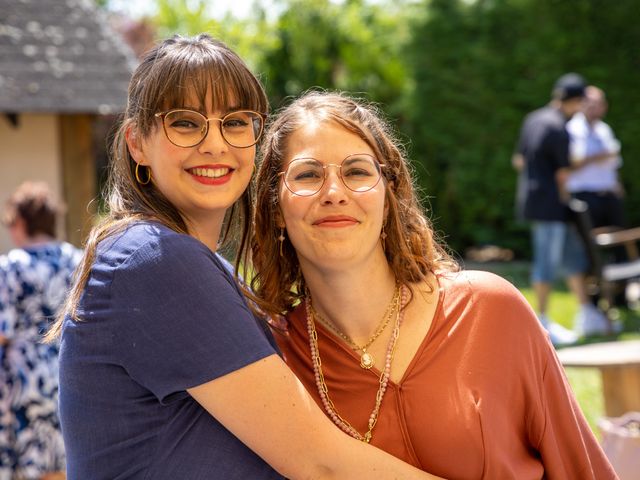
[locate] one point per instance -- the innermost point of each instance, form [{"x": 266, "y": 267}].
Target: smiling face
[
  {"x": 202, "y": 181},
  {"x": 335, "y": 227}
]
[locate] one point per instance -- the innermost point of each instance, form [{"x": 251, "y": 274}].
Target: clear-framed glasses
[
  {"x": 359, "y": 172},
  {"x": 187, "y": 128}
]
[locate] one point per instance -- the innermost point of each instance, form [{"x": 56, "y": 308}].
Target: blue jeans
[{"x": 557, "y": 247}]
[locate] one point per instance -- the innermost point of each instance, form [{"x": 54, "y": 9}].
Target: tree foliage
[
  {"x": 456, "y": 76},
  {"x": 478, "y": 68},
  {"x": 354, "y": 46}
]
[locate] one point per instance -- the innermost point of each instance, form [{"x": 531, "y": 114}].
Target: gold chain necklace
[
  {"x": 384, "y": 376},
  {"x": 366, "y": 359}
]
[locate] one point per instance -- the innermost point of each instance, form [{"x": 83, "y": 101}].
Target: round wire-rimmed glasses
[
  {"x": 359, "y": 172},
  {"x": 188, "y": 128}
]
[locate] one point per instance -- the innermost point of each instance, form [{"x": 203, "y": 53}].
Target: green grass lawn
[{"x": 585, "y": 382}]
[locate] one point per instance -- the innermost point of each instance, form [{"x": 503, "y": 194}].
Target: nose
[
  {"x": 213, "y": 142},
  {"x": 333, "y": 190}
]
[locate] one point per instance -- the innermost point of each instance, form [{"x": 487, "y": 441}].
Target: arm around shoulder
[{"x": 268, "y": 409}]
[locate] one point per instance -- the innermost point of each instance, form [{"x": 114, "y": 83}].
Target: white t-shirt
[{"x": 587, "y": 140}]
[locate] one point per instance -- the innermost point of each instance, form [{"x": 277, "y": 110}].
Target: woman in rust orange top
[{"x": 447, "y": 370}]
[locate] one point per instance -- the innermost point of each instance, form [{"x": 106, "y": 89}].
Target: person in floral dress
[{"x": 34, "y": 279}]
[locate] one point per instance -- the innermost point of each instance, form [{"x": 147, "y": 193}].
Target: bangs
[{"x": 190, "y": 73}]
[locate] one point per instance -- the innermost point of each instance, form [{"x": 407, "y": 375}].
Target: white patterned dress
[{"x": 34, "y": 282}]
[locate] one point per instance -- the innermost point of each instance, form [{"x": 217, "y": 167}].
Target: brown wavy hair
[
  {"x": 169, "y": 75},
  {"x": 411, "y": 248}
]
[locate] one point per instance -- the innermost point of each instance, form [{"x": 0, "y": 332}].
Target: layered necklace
[
  {"x": 397, "y": 307},
  {"x": 366, "y": 359}
]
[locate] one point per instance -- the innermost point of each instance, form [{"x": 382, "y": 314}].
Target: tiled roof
[{"x": 61, "y": 56}]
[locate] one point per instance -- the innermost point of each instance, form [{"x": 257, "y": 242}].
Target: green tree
[
  {"x": 478, "y": 68},
  {"x": 354, "y": 46}
]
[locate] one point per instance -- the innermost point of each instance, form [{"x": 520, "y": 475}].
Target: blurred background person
[
  {"x": 34, "y": 278},
  {"x": 543, "y": 154},
  {"x": 595, "y": 160}
]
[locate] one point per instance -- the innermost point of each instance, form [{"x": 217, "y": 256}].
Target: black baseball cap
[{"x": 569, "y": 85}]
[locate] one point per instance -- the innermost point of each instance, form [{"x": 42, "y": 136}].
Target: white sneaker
[
  {"x": 558, "y": 334},
  {"x": 591, "y": 321}
]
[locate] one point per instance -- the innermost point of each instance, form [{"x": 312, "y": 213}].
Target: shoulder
[
  {"x": 491, "y": 311},
  {"x": 479, "y": 283},
  {"x": 70, "y": 251},
  {"x": 603, "y": 128},
  {"x": 148, "y": 244},
  {"x": 547, "y": 120},
  {"x": 14, "y": 259},
  {"x": 148, "y": 255},
  {"x": 492, "y": 297}
]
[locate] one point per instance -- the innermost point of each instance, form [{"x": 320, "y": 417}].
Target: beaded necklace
[
  {"x": 384, "y": 376},
  {"x": 366, "y": 359}
]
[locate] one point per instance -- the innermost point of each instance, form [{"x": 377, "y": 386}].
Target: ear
[{"x": 134, "y": 143}]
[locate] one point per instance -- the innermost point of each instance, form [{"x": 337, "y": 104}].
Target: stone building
[{"x": 61, "y": 69}]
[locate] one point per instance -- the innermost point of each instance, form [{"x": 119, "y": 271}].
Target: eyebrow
[
  {"x": 305, "y": 159},
  {"x": 356, "y": 158}
]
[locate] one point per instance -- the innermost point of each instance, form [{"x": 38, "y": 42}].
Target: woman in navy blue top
[{"x": 164, "y": 371}]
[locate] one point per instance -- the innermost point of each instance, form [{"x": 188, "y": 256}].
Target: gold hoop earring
[
  {"x": 281, "y": 239},
  {"x": 383, "y": 237},
  {"x": 137, "y": 172}
]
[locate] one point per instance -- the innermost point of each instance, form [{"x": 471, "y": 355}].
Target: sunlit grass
[
  {"x": 562, "y": 307},
  {"x": 586, "y": 384}
]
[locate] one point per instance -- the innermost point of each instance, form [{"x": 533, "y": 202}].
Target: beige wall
[{"x": 30, "y": 151}]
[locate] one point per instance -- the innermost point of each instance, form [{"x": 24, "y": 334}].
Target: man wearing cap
[{"x": 543, "y": 155}]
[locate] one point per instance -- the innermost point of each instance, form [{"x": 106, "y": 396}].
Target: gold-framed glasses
[
  {"x": 187, "y": 128},
  {"x": 359, "y": 172}
]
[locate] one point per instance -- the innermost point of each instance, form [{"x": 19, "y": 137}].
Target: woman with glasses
[
  {"x": 164, "y": 371},
  {"x": 447, "y": 370}
]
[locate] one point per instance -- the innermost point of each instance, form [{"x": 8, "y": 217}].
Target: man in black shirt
[{"x": 543, "y": 157}]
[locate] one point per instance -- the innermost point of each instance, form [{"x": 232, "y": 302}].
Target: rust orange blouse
[{"x": 484, "y": 397}]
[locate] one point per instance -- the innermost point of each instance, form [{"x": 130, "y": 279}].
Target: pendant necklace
[
  {"x": 366, "y": 359},
  {"x": 398, "y": 309}
]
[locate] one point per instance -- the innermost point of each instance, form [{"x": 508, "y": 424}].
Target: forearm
[
  {"x": 578, "y": 163},
  {"x": 357, "y": 460},
  {"x": 280, "y": 422}
]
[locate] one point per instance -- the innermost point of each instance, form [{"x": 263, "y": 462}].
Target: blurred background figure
[
  {"x": 595, "y": 160},
  {"x": 543, "y": 155},
  {"x": 34, "y": 278}
]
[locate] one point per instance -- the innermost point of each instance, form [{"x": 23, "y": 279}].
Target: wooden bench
[{"x": 619, "y": 364}]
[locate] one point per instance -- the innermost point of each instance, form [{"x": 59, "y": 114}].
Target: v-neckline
[{"x": 437, "y": 314}]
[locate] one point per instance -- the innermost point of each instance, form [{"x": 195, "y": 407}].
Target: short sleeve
[
  {"x": 559, "y": 146},
  {"x": 183, "y": 320},
  {"x": 567, "y": 445}
]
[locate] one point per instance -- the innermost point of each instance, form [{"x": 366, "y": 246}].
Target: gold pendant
[{"x": 366, "y": 360}]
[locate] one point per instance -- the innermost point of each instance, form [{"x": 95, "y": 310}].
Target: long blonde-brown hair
[
  {"x": 170, "y": 74},
  {"x": 411, "y": 249}
]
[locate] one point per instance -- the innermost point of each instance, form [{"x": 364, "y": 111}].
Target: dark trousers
[{"x": 605, "y": 208}]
